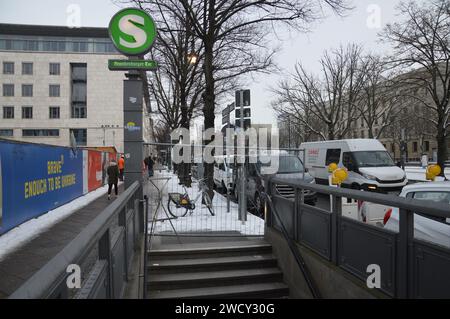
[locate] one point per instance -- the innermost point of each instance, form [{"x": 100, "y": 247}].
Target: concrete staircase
[{"x": 241, "y": 269}]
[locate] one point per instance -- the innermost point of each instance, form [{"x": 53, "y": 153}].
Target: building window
[
  {"x": 80, "y": 136},
  {"x": 427, "y": 146},
  {"x": 27, "y": 68},
  {"x": 58, "y": 46},
  {"x": 8, "y": 67},
  {"x": 79, "y": 90},
  {"x": 6, "y": 132},
  {"x": 363, "y": 135},
  {"x": 80, "y": 47},
  {"x": 27, "y": 90},
  {"x": 414, "y": 146},
  {"x": 79, "y": 111},
  {"x": 54, "y": 90},
  {"x": 44, "y": 132},
  {"x": 8, "y": 112},
  {"x": 54, "y": 112},
  {"x": 8, "y": 89},
  {"x": 27, "y": 112},
  {"x": 55, "y": 69}
]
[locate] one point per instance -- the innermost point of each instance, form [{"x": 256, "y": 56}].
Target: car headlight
[
  {"x": 313, "y": 181},
  {"x": 368, "y": 176}
]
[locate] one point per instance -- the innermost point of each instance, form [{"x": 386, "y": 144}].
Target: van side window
[
  {"x": 333, "y": 156},
  {"x": 347, "y": 160}
]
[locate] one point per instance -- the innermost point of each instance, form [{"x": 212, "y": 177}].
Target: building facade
[{"x": 55, "y": 87}]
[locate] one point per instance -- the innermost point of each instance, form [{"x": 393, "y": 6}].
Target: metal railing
[
  {"x": 298, "y": 257},
  {"x": 406, "y": 262},
  {"x": 111, "y": 237}
]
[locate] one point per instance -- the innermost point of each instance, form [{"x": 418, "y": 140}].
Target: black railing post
[
  {"x": 336, "y": 204},
  {"x": 104, "y": 253},
  {"x": 298, "y": 202},
  {"x": 268, "y": 190},
  {"x": 123, "y": 223},
  {"x": 144, "y": 294},
  {"x": 405, "y": 240}
]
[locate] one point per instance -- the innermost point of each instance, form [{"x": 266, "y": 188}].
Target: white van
[{"x": 370, "y": 166}]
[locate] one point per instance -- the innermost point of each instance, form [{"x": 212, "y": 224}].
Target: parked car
[
  {"x": 369, "y": 165},
  {"x": 223, "y": 172},
  {"x": 290, "y": 167},
  {"x": 428, "y": 228}
]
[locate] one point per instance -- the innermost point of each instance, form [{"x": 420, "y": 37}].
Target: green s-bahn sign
[{"x": 132, "y": 31}]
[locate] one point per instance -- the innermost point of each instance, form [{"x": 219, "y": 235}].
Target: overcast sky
[{"x": 359, "y": 26}]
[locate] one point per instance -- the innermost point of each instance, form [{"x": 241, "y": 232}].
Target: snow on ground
[
  {"x": 24, "y": 233},
  {"x": 201, "y": 220},
  {"x": 418, "y": 174}
]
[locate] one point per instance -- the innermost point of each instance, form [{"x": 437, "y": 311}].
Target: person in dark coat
[
  {"x": 113, "y": 178},
  {"x": 149, "y": 162}
]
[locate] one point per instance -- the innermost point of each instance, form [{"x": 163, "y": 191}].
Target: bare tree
[
  {"x": 177, "y": 86},
  {"x": 421, "y": 43},
  {"x": 300, "y": 123},
  {"x": 234, "y": 33},
  {"x": 379, "y": 102},
  {"x": 234, "y": 38},
  {"x": 330, "y": 97}
]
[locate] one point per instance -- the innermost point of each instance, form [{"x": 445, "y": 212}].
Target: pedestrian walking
[
  {"x": 149, "y": 162},
  {"x": 121, "y": 167},
  {"x": 113, "y": 178}
]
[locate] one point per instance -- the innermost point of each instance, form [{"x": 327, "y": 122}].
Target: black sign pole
[{"x": 133, "y": 127}]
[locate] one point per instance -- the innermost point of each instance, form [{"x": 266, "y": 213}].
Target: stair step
[
  {"x": 223, "y": 249},
  {"x": 259, "y": 290},
  {"x": 213, "y": 278},
  {"x": 202, "y": 264}
]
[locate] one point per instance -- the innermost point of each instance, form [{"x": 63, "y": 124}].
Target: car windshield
[
  {"x": 373, "y": 159},
  {"x": 287, "y": 165},
  {"x": 443, "y": 197}
]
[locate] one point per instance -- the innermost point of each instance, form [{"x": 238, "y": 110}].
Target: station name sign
[{"x": 124, "y": 65}]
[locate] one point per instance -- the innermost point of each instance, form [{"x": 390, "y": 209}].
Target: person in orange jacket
[{"x": 121, "y": 165}]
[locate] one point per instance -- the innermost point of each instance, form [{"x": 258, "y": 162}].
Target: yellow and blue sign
[{"x": 35, "y": 179}]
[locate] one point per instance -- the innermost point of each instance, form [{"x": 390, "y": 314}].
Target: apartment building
[{"x": 55, "y": 86}]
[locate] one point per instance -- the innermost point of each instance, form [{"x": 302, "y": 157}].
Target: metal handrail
[
  {"x": 144, "y": 292},
  {"x": 436, "y": 209},
  {"x": 148, "y": 243},
  {"x": 405, "y": 238},
  {"x": 40, "y": 283},
  {"x": 298, "y": 257}
]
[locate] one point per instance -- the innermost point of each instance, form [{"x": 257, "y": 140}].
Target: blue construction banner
[{"x": 36, "y": 178}]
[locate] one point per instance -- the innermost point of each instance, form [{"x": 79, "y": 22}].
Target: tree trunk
[
  {"x": 209, "y": 95},
  {"x": 184, "y": 168},
  {"x": 442, "y": 145},
  {"x": 331, "y": 134}
]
